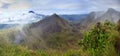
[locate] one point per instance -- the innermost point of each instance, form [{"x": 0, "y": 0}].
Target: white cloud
[
  {"x": 53, "y": 6},
  {"x": 62, "y": 6},
  {"x": 7, "y": 1},
  {"x": 19, "y": 18},
  {"x": 19, "y": 6},
  {"x": 12, "y": 5},
  {"x": 1, "y": 4},
  {"x": 103, "y": 5}
]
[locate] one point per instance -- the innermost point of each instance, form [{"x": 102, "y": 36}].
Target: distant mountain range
[
  {"x": 73, "y": 17},
  {"x": 6, "y": 26},
  {"x": 22, "y": 18},
  {"x": 79, "y": 19},
  {"x": 25, "y": 18},
  {"x": 111, "y": 15},
  {"x": 53, "y": 25}
]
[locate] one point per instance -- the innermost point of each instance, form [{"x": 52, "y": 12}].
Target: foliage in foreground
[
  {"x": 101, "y": 40},
  {"x": 13, "y": 50}
]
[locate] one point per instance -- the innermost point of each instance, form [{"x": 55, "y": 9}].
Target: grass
[{"x": 65, "y": 44}]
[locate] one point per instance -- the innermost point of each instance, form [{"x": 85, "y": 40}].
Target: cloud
[
  {"x": 5, "y": 6},
  {"x": 55, "y": 6},
  {"x": 12, "y": 5},
  {"x": 21, "y": 5},
  {"x": 75, "y": 6},
  {"x": 59, "y": 6},
  {"x": 103, "y": 5},
  {"x": 14, "y": 8},
  {"x": 7, "y": 1}
]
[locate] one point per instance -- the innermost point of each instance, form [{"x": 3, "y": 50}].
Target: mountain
[
  {"x": 6, "y": 26},
  {"x": 21, "y": 18},
  {"x": 41, "y": 31},
  {"x": 56, "y": 32},
  {"x": 74, "y": 17},
  {"x": 28, "y": 17},
  {"x": 36, "y": 15},
  {"x": 111, "y": 15},
  {"x": 52, "y": 24}
]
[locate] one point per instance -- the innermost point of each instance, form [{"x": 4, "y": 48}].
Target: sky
[
  {"x": 58, "y": 6},
  {"x": 14, "y": 9}
]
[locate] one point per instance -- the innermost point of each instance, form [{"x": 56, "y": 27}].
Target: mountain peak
[
  {"x": 55, "y": 15},
  {"x": 111, "y": 10},
  {"x": 51, "y": 20},
  {"x": 31, "y": 12},
  {"x": 51, "y": 24}
]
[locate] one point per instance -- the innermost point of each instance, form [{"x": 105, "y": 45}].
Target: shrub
[{"x": 96, "y": 40}]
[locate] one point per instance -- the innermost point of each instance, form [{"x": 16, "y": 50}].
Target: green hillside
[{"x": 101, "y": 40}]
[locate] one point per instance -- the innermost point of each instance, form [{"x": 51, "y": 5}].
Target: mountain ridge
[{"x": 111, "y": 15}]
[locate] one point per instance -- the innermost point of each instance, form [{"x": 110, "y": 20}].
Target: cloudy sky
[{"x": 58, "y": 6}]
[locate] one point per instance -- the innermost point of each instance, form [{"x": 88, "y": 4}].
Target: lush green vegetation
[
  {"x": 61, "y": 43},
  {"x": 101, "y": 40}
]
